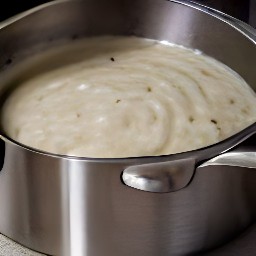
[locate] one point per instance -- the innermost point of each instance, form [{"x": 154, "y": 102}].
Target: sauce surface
[{"x": 129, "y": 97}]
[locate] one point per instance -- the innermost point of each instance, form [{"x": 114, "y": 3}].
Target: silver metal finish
[
  {"x": 160, "y": 177},
  {"x": 68, "y": 206},
  {"x": 242, "y": 159}
]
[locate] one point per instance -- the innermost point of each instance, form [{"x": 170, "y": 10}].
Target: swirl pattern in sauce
[{"x": 130, "y": 97}]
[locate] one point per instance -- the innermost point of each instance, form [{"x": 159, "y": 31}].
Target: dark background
[
  {"x": 236, "y": 8},
  {"x": 9, "y": 8}
]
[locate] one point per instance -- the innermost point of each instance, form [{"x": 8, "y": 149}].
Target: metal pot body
[
  {"x": 71, "y": 207},
  {"x": 75, "y": 206}
]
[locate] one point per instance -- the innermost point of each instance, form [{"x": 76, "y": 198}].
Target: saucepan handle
[
  {"x": 244, "y": 155},
  {"x": 173, "y": 175},
  {"x": 160, "y": 177},
  {"x": 238, "y": 159}
]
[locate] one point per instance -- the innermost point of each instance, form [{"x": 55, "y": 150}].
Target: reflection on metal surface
[
  {"x": 77, "y": 209},
  {"x": 160, "y": 177},
  {"x": 240, "y": 159}
]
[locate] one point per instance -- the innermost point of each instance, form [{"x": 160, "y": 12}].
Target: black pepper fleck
[
  {"x": 191, "y": 119},
  {"x": 214, "y": 121},
  {"x": 149, "y": 89},
  {"x": 112, "y": 59}
]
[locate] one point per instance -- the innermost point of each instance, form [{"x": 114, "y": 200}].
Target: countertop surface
[
  {"x": 244, "y": 245},
  {"x": 10, "y": 248}
]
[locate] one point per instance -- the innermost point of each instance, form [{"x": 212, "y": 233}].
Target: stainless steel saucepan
[{"x": 178, "y": 204}]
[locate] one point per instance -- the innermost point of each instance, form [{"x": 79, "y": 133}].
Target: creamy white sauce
[{"x": 129, "y": 97}]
